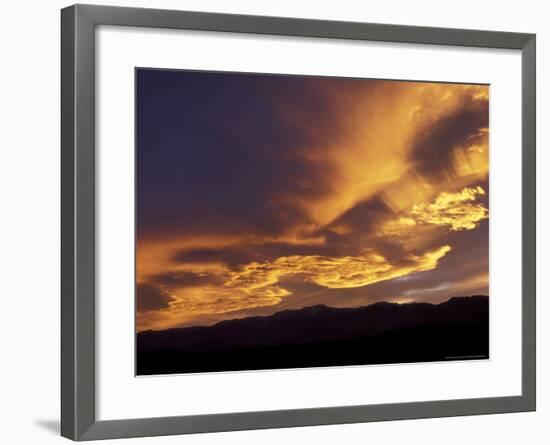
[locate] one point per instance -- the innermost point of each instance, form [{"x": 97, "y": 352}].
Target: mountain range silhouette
[{"x": 323, "y": 336}]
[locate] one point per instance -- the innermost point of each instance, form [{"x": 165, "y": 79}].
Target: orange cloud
[
  {"x": 259, "y": 284},
  {"x": 331, "y": 272},
  {"x": 458, "y": 211},
  {"x": 369, "y": 146}
]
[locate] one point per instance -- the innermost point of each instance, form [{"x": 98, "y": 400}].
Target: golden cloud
[
  {"x": 457, "y": 211},
  {"x": 258, "y": 284},
  {"x": 330, "y": 272},
  {"x": 367, "y": 148}
]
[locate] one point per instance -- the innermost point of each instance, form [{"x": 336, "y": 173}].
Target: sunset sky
[{"x": 258, "y": 193}]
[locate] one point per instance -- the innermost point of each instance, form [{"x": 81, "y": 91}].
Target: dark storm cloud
[
  {"x": 150, "y": 297},
  {"x": 204, "y": 138},
  {"x": 359, "y": 227},
  {"x": 433, "y": 144},
  {"x": 228, "y": 255},
  {"x": 359, "y": 223},
  {"x": 347, "y": 234},
  {"x": 364, "y": 216},
  {"x": 237, "y": 255},
  {"x": 185, "y": 279}
]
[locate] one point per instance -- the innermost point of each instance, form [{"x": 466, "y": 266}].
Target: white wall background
[{"x": 29, "y": 222}]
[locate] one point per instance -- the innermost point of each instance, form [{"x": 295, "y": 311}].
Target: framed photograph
[{"x": 272, "y": 222}]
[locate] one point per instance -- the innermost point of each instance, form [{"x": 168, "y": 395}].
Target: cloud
[
  {"x": 456, "y": 211},
  {"x": 274, "y": 156},
  {"x": 330, "y": 272},
  {"x": 150, "y": 297},
  {"x": 456, "y": 120},
  {"x": 257, "y": 285},
  {"x": 239, "y": 254},
  {"x": 423, "y": 292},
  {"x": 227, "y": 255},
  {"x": 185, "y": 279},
  {"x": 361, "y": 218},
  {"x": 215, "y": 147}
]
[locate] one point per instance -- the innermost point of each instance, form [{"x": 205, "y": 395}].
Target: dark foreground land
[{"x": 317, "y": 336}]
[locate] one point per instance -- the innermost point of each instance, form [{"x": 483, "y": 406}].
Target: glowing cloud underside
[
  {"x": 457, "y": 211},
  {"x": 334, "y": 273}
]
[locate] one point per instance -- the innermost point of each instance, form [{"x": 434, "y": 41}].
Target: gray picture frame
[{"x": 78, "y": 418}]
